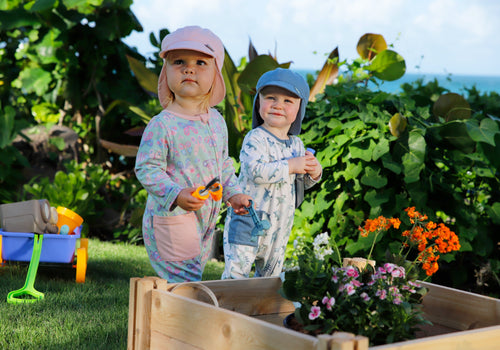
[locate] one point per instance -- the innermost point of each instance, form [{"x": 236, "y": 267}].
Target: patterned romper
[
  {"x": 176, "y": 152},
  {"x": 264, "y": 176}
]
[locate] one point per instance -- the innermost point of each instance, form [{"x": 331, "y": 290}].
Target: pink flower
[
  {"x": 397, "y": 300},
  {"x": 315, "y": 312},
  {"x": 329, "y": 302},
  {"x": 393, "y": 290},
  {"x": 398, "y": 271},
  {"x": 414, "y": 284},
  {"x": 381, "y": 293},
  {"x": 350, "y": 289},
  {"x": 335, "y": 278},
  {"x": 364, "y": 296},
  {"x": 389, "y": 267},
  {"x": 351, "y": 271},
  {"x": 356, "y": 283}
]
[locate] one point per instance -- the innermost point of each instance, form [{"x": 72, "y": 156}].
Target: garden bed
[{"x": 250, "y": 315}]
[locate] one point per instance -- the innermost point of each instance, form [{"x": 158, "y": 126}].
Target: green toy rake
[{"x": 28, "y": 288}]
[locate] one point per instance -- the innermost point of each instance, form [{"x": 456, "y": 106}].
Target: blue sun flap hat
[{"x": 290, "y": 81}]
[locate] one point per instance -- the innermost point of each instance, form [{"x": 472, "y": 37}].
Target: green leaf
[
  {"x": 376, "y": 198},
  {"x": 413, "y": 160},
  {"x": 380, "y": 149},
  {"x": 352, "y": 170},
  {"x": 390, "y": 164},
  {"x": 17, "y": 18},
  {"x": 42, "y": 5},
  {"x": 34, "y": 80},
  {"x": 373, "y": 178},
  {"x": 456, "y": 134},
  {"x": 146, "y": 78},
  {"x": 46, "y": 50},
  {"x": 7, "y": 134},
  {"x": 388, "y": 65},
  {"x": 58, "y": 142},
  {"x": 247, "y": 80},
  {"x": 484, "y": 132},
  {"x": 46, "y": 113},
  {"x": 362, "y": 150},
  {"x": 494, "y": 213}
]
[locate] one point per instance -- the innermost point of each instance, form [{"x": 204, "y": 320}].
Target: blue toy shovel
[
  {"x": 28, "y": 288},
  {"x": 260, "y": 225}
]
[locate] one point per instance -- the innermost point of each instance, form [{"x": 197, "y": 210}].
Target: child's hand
[
  {"x": 186, "y": 201},
  {"x": 239, "y": 202},
  {"x": 313, "y": 168},
  {"x": 297, "y": 165}
]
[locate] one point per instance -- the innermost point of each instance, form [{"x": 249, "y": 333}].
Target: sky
[{"x": 457, "y": 37}]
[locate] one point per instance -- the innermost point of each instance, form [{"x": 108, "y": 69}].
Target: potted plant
[{"x": 378, "y": 300}]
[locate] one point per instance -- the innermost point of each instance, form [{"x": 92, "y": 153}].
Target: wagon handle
[{"x": 28, "y": 288}]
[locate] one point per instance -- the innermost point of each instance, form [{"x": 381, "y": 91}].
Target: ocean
[{"x": 454, "y": 83}]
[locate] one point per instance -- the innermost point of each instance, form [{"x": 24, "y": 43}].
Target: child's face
[
  {"x": 190, "y": 74},
  {"x": 278, "y": 108}
]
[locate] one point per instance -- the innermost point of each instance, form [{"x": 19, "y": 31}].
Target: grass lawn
[{"x": 92, "y": 315}]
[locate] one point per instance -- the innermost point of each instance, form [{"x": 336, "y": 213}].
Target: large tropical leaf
[
  {"x": 387, "y": 65},
  {"x": 369, "y": 45},
  {"x": 451, "y": 106},
  {"x": 146, "y": 78},
  {"x": 252, "y": 72},
  {"x": 326, "y": 76},
  {"x": 124, "y": 150}
]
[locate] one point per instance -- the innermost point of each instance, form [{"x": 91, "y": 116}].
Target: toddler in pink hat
[{"x": 182, "y": 148}]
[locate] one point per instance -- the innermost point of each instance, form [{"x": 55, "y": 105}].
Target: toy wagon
[
  {"x": 56, "y": 248},
  {"x": 34, "y": 232}
]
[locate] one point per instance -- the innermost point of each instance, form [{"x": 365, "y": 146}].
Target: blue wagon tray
[{"x": 56, "y": 248}]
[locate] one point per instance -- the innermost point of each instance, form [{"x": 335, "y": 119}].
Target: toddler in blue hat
[{"x": 272, "y": 159}]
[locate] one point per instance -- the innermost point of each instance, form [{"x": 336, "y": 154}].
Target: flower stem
[{"x": 373, "y": 245}]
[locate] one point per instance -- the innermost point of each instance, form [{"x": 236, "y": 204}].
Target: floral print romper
[{"x": 179, "y": 151}]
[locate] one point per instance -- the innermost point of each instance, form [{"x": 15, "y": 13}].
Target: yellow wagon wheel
[{"x": 81, "y": 260}]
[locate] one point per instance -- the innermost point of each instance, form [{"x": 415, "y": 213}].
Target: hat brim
[{"x": 296, "y": 126}]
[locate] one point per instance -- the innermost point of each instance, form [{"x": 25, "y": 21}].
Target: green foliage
[
  {"x": 78, "y": 188},
  {"x": 65, "y": 61},
  {"x": 11, "y": 160},
  {"x": 447, "y": 168}
]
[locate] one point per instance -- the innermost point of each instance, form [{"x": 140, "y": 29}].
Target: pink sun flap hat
[{"x": 197, "y": 39}]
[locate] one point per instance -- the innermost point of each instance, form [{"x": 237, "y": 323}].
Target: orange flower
[{"x": 428, "y": 237}]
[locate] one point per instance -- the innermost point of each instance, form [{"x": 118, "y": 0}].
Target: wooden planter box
[{"x": 250, "y": 315}]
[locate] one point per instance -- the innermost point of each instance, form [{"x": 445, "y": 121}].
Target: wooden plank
[
  {"x": 160, "y": 319},
  {"x": 139, "y": 332},
  {"x": 251, "y": 296},
  {"x": 207, "y": 327},
  {"x": 478, "y": 339},
  {"x": 458, "y": 309},
  {"x": 132, "y": 313}
]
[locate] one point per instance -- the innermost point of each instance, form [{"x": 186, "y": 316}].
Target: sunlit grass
[{"x": 92, "y": 315}]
